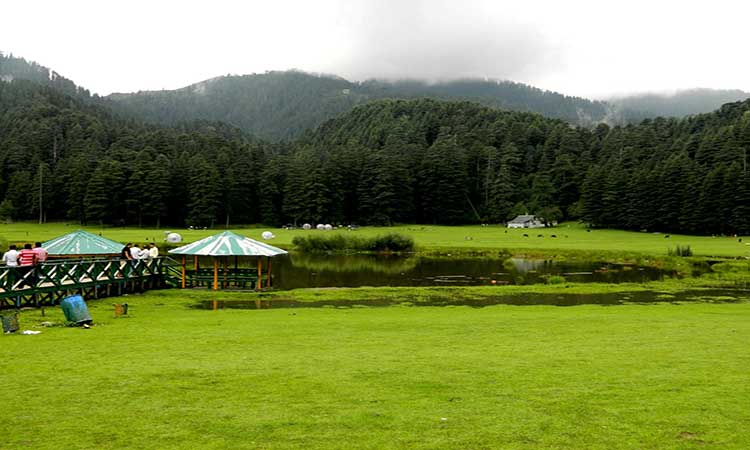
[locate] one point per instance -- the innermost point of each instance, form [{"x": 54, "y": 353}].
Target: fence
[{"x": 47, "y": 283}]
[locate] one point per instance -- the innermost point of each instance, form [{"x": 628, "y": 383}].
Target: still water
[
  {"x": 526, "y": 299},
  {"x": 304, "y": 270}
]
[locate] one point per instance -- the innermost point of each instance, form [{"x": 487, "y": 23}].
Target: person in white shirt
[
  {"x": 10, "y": 258},
  {"x": 143, "y": 254},
  {"x": 135, "y": 251},
  {"x": 153, "y": 250}
]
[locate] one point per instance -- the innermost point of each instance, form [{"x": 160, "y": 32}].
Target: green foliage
[
  {"x": 393, "y": 242},
  {"x": 385, "y": 162},
  {"x": 680, "y": 250},
  {"x": 283, "y": 105},
  {"x": 338, "y": 242},
  {"x": 555, "y": 279},
  {"x": 682, "y": 103},
  {"x": 12, "y": 67},
  {"x": 6, "y": 210}
]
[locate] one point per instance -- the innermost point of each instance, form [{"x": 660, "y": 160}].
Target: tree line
[{"x": 390, "y": 161}]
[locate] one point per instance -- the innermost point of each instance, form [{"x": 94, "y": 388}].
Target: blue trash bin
[{"x": 75, "y": 310}]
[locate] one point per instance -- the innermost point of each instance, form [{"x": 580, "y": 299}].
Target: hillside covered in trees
[
  {"x": 96, "y": 168},
  {"x": 282, "y": 105},
  {"x": 423, "y": 161},
  {"x": 678, "y": 104},
  {"x": 12, "y": 68}
]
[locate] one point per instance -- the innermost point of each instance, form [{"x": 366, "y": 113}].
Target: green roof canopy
[
  {"x": 228, "y": 244},
  {"x": 81, "y": 242}
]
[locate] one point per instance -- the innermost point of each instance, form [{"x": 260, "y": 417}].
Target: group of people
[
  {"x": 28, "y": 256},
  {"x": 132, "y": 251}
]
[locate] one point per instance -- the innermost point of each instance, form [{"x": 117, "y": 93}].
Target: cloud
[{"x": 438, "y": 40}]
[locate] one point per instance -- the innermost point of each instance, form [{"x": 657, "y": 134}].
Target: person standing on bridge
[
  {"x": 153, "y": 250},
  {"x": 125, "y": 256},
  {"x": 135, "y": 252},
  {"x": 41, "y": 254},
  {"x": 143, "y": 254},
  {"x": 10, "y": 258},
  {"x": 125, "y": 253},
  {"x": 27, "y": 259}
]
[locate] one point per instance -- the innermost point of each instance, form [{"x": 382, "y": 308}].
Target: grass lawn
[
  {"x": 661, "y": 376},
  {"x": 570, "y": 237}
]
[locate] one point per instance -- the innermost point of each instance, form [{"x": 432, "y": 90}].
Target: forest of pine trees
[{"x": 385, "y": 162}]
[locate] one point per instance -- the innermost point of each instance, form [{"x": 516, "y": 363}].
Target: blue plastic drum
[{"x": 75, "y": 310}]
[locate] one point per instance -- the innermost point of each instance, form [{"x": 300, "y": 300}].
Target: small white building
[{"x": 526, "y": 221}]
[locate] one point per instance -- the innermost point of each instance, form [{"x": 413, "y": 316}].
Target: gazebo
[
  {"x": 220, "y": 247},
  {"x": 81, "y": 243}
]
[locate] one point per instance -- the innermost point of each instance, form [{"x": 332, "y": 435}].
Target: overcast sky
[{"x": 585, "y": 48}]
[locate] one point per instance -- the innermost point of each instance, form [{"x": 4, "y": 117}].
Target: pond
[
  {"x": 305, "y": 270},
  {"x": 526, "y": 299}
]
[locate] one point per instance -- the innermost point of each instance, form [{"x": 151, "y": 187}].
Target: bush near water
[{"x": 391, "y": 242}]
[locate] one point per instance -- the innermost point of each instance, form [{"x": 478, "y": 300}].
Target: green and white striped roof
[
  {"x": 228, "y": 244},
  {"x": 81, "y": 242}
]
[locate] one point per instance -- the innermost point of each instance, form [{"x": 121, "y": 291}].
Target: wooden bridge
[{"x": 47, "y": 283}]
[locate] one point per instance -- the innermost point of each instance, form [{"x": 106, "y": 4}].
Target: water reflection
[{"x": 301, "y": 271}]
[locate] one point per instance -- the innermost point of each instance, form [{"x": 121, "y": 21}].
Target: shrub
[
  {"x": 393, "y": 242},
  {"x": 680, "y": 250},
  {"x": 555, "y": 279}
]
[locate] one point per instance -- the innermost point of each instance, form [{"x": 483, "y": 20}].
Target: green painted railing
[{"x": 47, "y": 283}]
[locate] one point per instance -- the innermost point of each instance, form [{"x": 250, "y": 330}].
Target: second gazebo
[{"x": 220, "y": 248}]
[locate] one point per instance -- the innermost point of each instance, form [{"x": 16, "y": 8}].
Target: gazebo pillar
[
  {"x": 184, "y": 263},
  {"x": 259, "y": 284},
  {"x": 196, "y": 276},
  {"x": 268, "y": 283},
  {"x": 216, "y": 274},
  {"x": 225, "y": 284}
]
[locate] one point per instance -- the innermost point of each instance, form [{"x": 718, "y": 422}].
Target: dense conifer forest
[
  {"x": 383, "y": 162},
  {"x": 678, "y": 104},
  {"x": 282, "y": 105}
]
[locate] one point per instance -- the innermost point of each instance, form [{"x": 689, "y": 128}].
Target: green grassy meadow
[
  {"x": 570, "y": 237},
  {"x": 660, "y": 376},
  {"x": 170, "y": 376}
]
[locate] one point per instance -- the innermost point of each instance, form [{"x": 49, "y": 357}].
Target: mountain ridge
[{"x": 283, "y": 105}]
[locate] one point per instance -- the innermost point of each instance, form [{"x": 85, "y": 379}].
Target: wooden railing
[{"x": 47, "y": 283}]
